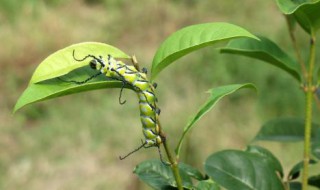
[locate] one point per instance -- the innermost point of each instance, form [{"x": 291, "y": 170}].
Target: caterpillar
[{"x": 129, "y": 75}]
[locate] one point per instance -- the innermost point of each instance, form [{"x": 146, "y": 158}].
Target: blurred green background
[{"x": 74, "y": 142}]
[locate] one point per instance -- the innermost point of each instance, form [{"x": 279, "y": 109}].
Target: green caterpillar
[{"x": 129, "y": 75}]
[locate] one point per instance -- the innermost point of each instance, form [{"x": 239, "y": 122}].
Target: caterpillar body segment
[{"x": 129, "y": 75}]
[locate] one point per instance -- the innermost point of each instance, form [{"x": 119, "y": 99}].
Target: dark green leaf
[
  {"x": 264, "y": 50},
  {"x": 54, "y": 88},
  {"x": 290, "y": 6},
  {"x": 314, "y": 181},
  {"x": 192, "y": 38},
  {"x": 318, "y": 92},
  {"x": 306, "y": 12},
  {"x": 291, "y": 21},
  {"x": 295, "y": 185},
  {"x": 308, "y": 17},
  {"x": 158, "y": 176},
  {"x": 216, "y": 94},
  {"x": 268, "y": 157},
  {"x": 285, "y": 130},
  {"x": 295, "y": 171},
  {"x": 191, "y": 171},
  {"x": 207, "y": 185},
  {"x": 238, "y": 170},
  {"x": 62, "y": 61},
  {"x": 316, "y": 149}
]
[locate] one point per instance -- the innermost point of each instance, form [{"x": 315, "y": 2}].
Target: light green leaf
[
  {"x": 62, "y": 61},
  {"x": 192, "y": 38},
  {"x": 238, "y": 170},
  {"x": 54, "y": 88},
  {"x": 306, "y": 12},
  {"x": 264, "y": 50},
  {"x": 285, "y": 130},
  {"x": 216, "y": 94}
]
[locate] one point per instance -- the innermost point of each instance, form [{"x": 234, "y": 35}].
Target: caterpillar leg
[
  {"x": 135, "y": 150},
  {"x": 144, "y": 145},
  {"x": 80, "y": 82},
  {"x": 144, "y": 70},
  {"x": 92, "y": 56},
  {"x": 154, "y": 85},
  {"x": 161, "y": 159},
  {"x": 160, "y": 154},
  {"x": 120, "y": 102}
]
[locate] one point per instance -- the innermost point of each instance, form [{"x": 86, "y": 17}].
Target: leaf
[
  {"x": 264, "y": 50},
  {"x": 238, "y": 170},
  {"x": 306, "y": 13},
  {"x": 268, "y": 157},
  {"x": 62, "y": 61},
  {"x": 191, "y": 171},
  {"x": 308, "y": 17},
  {"x": 295, "y": 171},
  {"x": 158, "y": 176},
  {"x": 316, "y": 149},
  {"x": 290, "y": 6},
  {"x": 314, "y": 181},
  {"x": 216, "y": 94},
  {"x": 285, "y": 129},
  {"x": 318, "y": 91},
  {"x": 207, "y": 185},
  {"x": 54, "y": 88},
  {"x": 295, "y": 185},
  {"x": 192, "y": 38}
]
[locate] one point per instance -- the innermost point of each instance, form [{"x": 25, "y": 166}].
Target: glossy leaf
[
  {"x": 306, "y": 12},
  {"x": 158, "y": 176},
  {"x": 264, "y": 50},
  {"x": 314, "y": 181},
  {"x": 207, "y": 185},
  {"x": 295, "y": 171},
  {"x": 268, "y": 157},
  {"x": 216, "y": 94},
  {"x": 285, "y": 130},
  {"x": 192, "y": 38},
  {"x": 54, "y": 88},
  {"x": 62, "y": 61},
  {"x": 238, "y": 170}
]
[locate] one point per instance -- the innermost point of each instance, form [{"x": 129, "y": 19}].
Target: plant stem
[
  {"x": 309, "y": 91},
  {"x": 296, "y": 48},
  {"x": 172, "y": 160},
  {"x": 174, "y": 166}
]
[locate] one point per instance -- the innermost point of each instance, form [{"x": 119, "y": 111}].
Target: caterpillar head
[{"x": 96, "y": 64}]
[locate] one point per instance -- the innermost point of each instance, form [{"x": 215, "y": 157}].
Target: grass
[{"x": 74, "y": 142}]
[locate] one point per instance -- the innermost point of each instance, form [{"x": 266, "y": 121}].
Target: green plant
[{"x": 253, "y": 168}]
